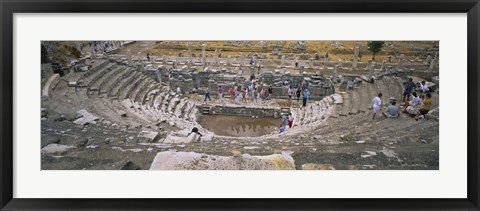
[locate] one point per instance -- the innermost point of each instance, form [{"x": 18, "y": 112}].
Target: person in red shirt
[{"x": 231, "y": 91}]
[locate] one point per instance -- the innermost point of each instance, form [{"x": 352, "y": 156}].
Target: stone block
[{"x": 170, "y": 160}]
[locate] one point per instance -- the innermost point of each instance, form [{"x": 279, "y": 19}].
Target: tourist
[
  {"x": 148, "y": 57},
  {"x": 232, "y": 92},
  {"x": 220, "y": 92},
  {"x": 179, "y": 91},
  {"x": 207, "y": 94},
  {"x": 425, "y": 108},
  {"x": 240, "y": 72},
  {"x": 237, "y": 96},
  {"x": 290, "y": 120},
  {"x": 262, "y": 94},
  {"x": 304, "y": 86},
  {"x": 194, "y": 136},
  {"x": 424, "y": 87},
  {"x": 299, "y": 92},
  {"x": 392, "y": 111},
  {"x": 418, "y": 87},
  {"x": 259, "y": 69},
  {"x": 281, "y": 129},
  {"x": 289, "y": 93},
  {"x": 284, "y": 120},
  {"x": 296, "y": 63},
  {"x": 295, "y": 88},
  {"x": 413, "y": 105},
  {"x": 377, "y": 102},
  {"x": 409, "y": 86},
  {"x": 244, "y": 93},
  {"x": 270, "y": 91},
  {"x": 306, "y": 94}
]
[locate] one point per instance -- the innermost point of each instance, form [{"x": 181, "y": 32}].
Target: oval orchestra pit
[{"x": 239, "y": 126}]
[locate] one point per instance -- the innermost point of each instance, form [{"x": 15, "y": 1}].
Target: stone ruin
[{"x": 130, "y": 106}]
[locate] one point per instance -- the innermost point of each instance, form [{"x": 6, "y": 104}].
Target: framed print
[{"x": 239, "y": 105}]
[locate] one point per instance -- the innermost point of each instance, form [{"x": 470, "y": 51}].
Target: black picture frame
[{"x": 9, "y": 7}]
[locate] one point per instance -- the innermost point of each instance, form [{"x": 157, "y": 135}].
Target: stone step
[
  {"x": 173, "y": 103},
  {"x": 107, "y": 85},
  {"x": 132, "y": 108},
  {"x": 166, "y": 101},
  {"x": 355, "y": 101},
  {"x": 125, "y": 91},
  {"x": 142, "y": 93},
  {"x": 137, "y": 87},
  {"x": 151, "y": 95},
  {"x": 96, "y": 68},
  {"x": 104, "y": 78},
  {"x": 193, "y": 114},
  {"x": 179, "y": 109},
  {"x": 364, "y": 98},
  {"x": 114, "y": 93},
  {"x": 88, "y": 81},
  {"x": 158, "y": 99},
  {"x": 188, "y": 109},
  {"x": 205, "y": 109}
]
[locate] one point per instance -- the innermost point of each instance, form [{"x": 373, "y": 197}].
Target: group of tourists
[{"x": 417, "y": 101}]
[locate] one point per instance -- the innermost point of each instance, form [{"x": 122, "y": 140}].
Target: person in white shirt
[
  {"x": 194, "y": 136},
  {"x": 179, "y": 91},
  {"x": 424, "y": 87},
  {"x": 413, "y": 105},
  {"x": 377, "y": 102}
]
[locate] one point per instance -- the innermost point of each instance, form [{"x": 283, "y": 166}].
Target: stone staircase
[
  {"x": 205, "y": 109},
  {"x": 125, "y": 96}
]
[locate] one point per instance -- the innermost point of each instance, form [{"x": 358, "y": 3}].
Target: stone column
[
  {"x": 283, "y": 61},
  {"x": 370, "y": 68},
  {"x": 400, "y": 62},
  {"x": 301, "y": 70},
  {"x": 311, "y": 62},
  {"x": 369, "y": 65},
  {"x": 241, "y": 59},
  {"x": 384, "y": 66},
  {"x": 325, "y": 63},
  {"x": 204, "y": 47},
  {"x": 215, "y": 57},
  {"x": 190, "y": 59},
  {"x": 190, "y": 52},
  {"x": 432, "y": 65},
  {"x": 355, "y": 57},
  {"x": 335, "y": 69}
]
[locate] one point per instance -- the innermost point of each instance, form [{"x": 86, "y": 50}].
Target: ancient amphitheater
[{"x": 121, "y": 111}]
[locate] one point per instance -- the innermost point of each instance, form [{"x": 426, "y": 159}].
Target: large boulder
[
  {"x": 170, "y": 160},
  {"x": 147, "y": 136},
  {"x": 86, "y": 118},
  {"x": 314, "y": 166},
  {"x": 56, "y": 149}
]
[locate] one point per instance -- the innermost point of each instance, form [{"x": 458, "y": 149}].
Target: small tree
[{"x": 375, "y": 47}]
